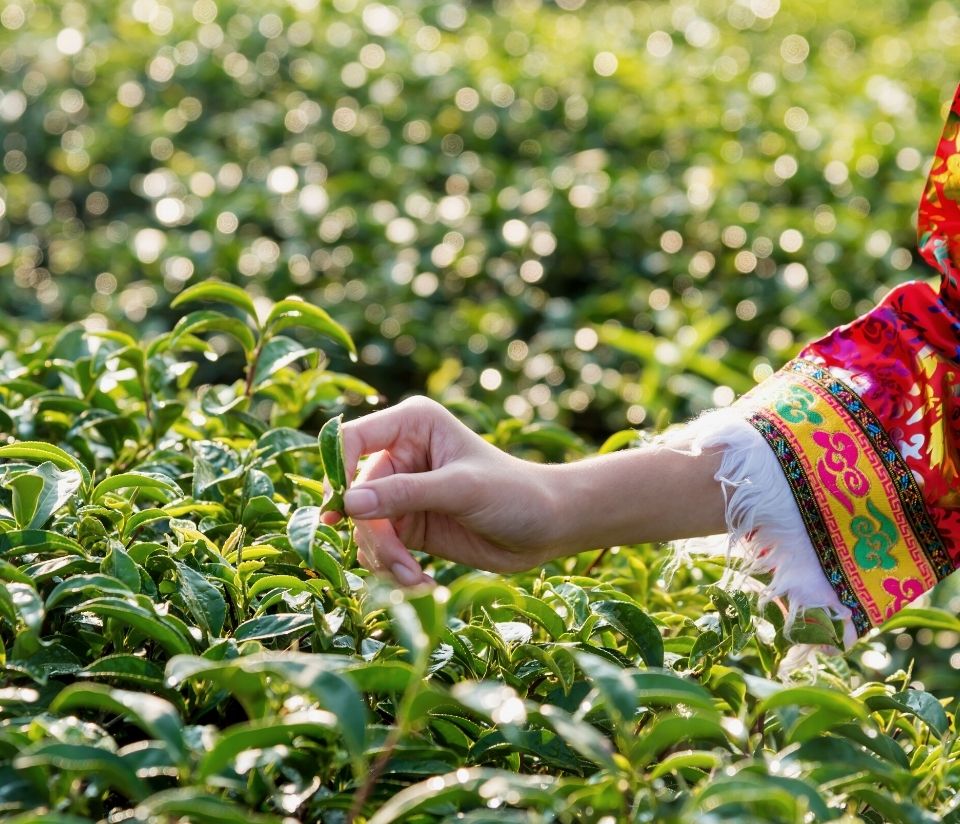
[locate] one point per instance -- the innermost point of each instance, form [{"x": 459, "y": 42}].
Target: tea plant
[{"x": 183, "y": 637}]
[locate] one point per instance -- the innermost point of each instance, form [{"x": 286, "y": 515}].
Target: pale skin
[{"x": 432, "y": 484}]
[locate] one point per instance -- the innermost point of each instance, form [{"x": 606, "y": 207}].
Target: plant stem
[
  {"x": 363, "y": 793},
  {"x": 252, "y": 368}
]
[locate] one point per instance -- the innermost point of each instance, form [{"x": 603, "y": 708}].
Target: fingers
[
  {"x": 408, "y": 420},
  {"x": 383, "y": 553},
  {"x": 393, "y": 495},
  {"x": 380, "y": 547}
]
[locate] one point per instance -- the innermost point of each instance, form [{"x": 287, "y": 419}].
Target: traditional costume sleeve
[{"x": 841, "y": 470}]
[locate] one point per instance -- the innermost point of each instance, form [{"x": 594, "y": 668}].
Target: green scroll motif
[
  {"x": 794, "y": 406},
  {"x": 875, "y": 540}
]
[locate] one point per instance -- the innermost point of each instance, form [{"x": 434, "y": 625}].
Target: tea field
[{"x": 225, "y": 226}]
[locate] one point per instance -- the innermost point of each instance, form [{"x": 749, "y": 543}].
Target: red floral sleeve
[{"x": 865, "y": 425}]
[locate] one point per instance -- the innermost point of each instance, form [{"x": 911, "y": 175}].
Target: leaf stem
[{"x": 252, "y": 367}]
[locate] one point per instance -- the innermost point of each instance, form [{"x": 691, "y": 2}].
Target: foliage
[
  {"x": 184, "y": 639},
  {"x": 473, "y": 184}
]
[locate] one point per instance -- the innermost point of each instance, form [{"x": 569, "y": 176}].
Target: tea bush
[{"x": 183, "y": 638}]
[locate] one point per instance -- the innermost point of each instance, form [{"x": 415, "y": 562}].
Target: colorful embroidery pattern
[
  {"x": 854, "y": 499},
  {"x": 813, "y": 520},
  {"x": 865, "y": 424}
]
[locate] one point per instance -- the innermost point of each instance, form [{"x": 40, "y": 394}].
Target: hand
[{"x": 432, "y": 484}]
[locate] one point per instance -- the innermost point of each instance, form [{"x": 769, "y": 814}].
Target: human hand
[{"x": 432, "y": 484}]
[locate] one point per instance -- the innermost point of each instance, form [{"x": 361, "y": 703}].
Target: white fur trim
[{"x": 765, "y": 528}]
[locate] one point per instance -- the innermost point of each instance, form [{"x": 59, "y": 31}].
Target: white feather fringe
[{"x": 765, "y": 528}]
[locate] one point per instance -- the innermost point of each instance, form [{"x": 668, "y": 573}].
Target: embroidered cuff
[{"x": 861, "y": 506}]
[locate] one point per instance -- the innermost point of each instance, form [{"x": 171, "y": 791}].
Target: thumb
[{"x": 401, "y": 494}]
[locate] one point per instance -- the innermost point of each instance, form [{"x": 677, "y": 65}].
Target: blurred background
[
  {"x": 603, "y": 214},
  {"x": 595, "y": 214}
]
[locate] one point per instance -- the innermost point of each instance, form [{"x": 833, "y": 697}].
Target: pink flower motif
[{"x": 903, "y": 591}]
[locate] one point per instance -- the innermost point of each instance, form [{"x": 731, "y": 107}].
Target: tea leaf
[
  {"x": 217, "y": 291},
  {"x": 153, "y": 715},
  {"x": 294, "y": 312}
]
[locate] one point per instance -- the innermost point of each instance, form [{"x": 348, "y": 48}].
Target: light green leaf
[
  {"x": 922, "y": 618},
  {"x": 40, "y": 451},
  {"x": 88, "y": 762},
  {"x": 198, "y": 807},
  {"x": 28, "y": 604},
  {"x": 155, "y": 716},
  {"x": 207, "y": 320},
  {"x": 138, "y": 617},
  {"x": 331, "y": 453},
  {"x": 267, "y": 733},
  {"x": 811, "y": 696},
  {"x": 75, "y": 584},
  {"x": 136, "y": 480},
  {"x": 467, "y": 784},
  {"x": 217, "y": 291},
  {"x": 273, "y": 626},
  {"x": 295, "y": 312},
  {"x": 41, "y": 492},
  {"x": 303, "y": 529}
]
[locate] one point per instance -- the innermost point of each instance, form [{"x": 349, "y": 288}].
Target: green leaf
[
  {"x": 467, "y": 785},
  {"x": 155, "y": 716},
  {"x": 668, "y": 731},
  {"x": 612, "y": 682},
  {"x": 331, "y": 454},
  {"x": 619, "y": 440},
  {"x": 814, "y": 626},
  {"x": 273, "y": 626},
  {"x": 579, "y": 735},
  {"x": 217, "y": 291},
  {"x": 318, "y": 675},
  {"x": 665, "y": 689},
  {"x": 28, "y": 604},
  {"x": 282, "y": 441},
  {"x": 914, "y": 702},
  {"x": 136, "y": 480},
  {"x": 89, "y": 762},
  {"x": 18, "y": 542},
  {"x": 749, "y": 790},
  {"x": 207, "y": 320},
  {"x": 311, "y": 486},
  {"x": 278, "y": 352},
  {"x": 268, "y": 733},
  {"x": 198, "y": 807},
  {"x": 295, "y": 312},
  {"x": 203, "y": 599},
  {"x": 303, "y": 528},
  {"x": 288, "y": 583},
  {"x": 922, "y": 618},
  {"x": 118, "y": 564},
  {"x": 78, "y": 584},
  {"x": 41, "y": 492},
  {"x": 139, "y": 618},
  {"x": 123, "y": 666},
  {"x": 822, "y": 697},
  {"x": 39, "y": 451},
  {"x": 541, "y": 612},
  {"x": 636, "y": 626}
]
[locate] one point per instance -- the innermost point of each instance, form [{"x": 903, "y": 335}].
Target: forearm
[{"x": 647, "y": 494}]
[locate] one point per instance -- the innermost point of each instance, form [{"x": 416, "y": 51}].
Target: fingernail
[
  {"x": 405, "y": 575},
  {"x": 360, "y": 501}
]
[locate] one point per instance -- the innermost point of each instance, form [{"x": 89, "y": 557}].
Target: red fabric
[{"x": 903, "y": 357}]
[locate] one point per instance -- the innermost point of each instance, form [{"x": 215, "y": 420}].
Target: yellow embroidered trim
[{"x": 857, "y": 497}]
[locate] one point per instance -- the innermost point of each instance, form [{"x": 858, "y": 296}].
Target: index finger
[{"x": 381, "y": 430}]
